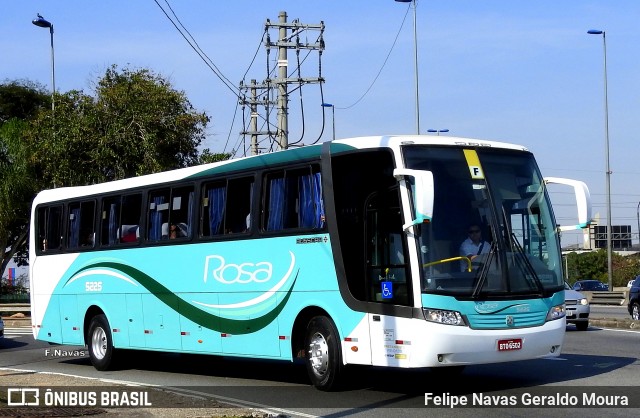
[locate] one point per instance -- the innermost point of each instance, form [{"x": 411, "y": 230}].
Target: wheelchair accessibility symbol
[{"x": 387, "y": 290}]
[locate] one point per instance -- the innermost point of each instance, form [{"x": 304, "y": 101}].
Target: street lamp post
[
  {"x": 333, "y": 117},
  {"x": 638, "y": 214},
  {"x": 415, "y": 61},
  {"x": 41, "y": 22},
  {"x": 437, "y": 131},
  {"x": 608, "y": 169}
]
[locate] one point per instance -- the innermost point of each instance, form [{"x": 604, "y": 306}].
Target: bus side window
[
  {"x": 212, "y": 209},
  {"x": 238, "y": 205},
  {"x": 158, "y": 215},
  {"x": 110, "y": 220},
  {"x": 181, "y": 214},
  {"x": 49, "y": 228},
  {"x": 294, "y": 200},
  {"x": 80, "y": 227},
  {"x": 128, "y": 228}
]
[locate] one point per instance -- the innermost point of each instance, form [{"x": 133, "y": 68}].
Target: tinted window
[
  {"x": 226, "y": 207},
  {"x": 49, "y": 228},
  {"x": 80, "y": 224},
  {"x": 170, "y": 213},
  {"x": 293, "y": 199},
  {"x": 120, "y": 220}
]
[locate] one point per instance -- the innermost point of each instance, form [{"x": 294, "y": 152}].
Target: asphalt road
[{"x": 593, "y": 361}]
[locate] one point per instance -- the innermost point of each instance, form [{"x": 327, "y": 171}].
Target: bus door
[{"x": 388, "y": 279}]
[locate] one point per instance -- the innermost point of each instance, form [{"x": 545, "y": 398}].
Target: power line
[
  {"x": 194, "y": 45},
  {"x": 383, "y": 64}
]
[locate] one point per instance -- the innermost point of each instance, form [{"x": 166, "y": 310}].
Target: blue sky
[{"x": 509, "y": 70}]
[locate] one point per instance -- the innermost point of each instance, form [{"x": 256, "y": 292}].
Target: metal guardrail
[
  {"x": 608, "y": 298},
  {"x": 15, "y": 298},
  {"x": 15, "y": 307}
]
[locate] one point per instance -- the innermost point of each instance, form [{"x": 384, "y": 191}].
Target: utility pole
[
  {"x": 254, "y": 101},
  {"x": 288, "y": 38},
  {"x": 283, "y": 95}
]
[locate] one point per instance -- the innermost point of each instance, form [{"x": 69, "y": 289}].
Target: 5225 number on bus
[{"x": 93, "y": 286}]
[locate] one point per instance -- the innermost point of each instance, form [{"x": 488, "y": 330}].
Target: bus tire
[
  {"x": 100, "y": 344},
  {"x": 323, "y": 353}
]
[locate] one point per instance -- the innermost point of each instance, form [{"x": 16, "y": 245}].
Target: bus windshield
[{"x": 493, "y": 233}]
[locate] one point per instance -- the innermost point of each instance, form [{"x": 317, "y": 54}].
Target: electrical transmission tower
[{"x": 260, "y": 95}]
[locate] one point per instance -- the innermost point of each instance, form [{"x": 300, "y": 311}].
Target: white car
[
  {"x": 630, "y": 283},
  {"x": 577, "y": 308}
]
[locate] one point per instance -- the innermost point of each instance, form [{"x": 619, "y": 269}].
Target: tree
[
  {"x": 593, "y": 265},
  {"x": 22, "y": 99},
  {"x": 136, "y": 124},
  {"x": 208, "y": 157},
  {"x": 20, "y": 102}
]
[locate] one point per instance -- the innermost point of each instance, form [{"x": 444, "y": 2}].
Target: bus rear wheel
[
  {"x": 100, "y": 344},
  {"x": 323, "y": 353}
]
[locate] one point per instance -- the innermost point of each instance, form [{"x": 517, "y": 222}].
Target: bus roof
[{"x": 266, "y": 160}]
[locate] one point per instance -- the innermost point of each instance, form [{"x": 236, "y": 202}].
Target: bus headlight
[
  {"x": 442, "y": 316},
  {"x": 556, "y": 312}
]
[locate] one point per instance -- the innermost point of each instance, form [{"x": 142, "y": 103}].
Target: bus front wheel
[
  {"x": 323, "y": 353},
  {"x": 101, "y": 350}
]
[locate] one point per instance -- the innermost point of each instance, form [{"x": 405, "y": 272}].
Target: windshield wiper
[
  {"x": 482, "y": 274},
  {"x": 527, "y": 263}
]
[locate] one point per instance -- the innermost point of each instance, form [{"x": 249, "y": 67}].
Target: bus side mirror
[
  {"x": 583, "y": 201},
  {"x": 422, "y": 191}
]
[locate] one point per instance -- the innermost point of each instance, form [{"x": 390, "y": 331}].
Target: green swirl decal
[{"x": 200, "y": 317}]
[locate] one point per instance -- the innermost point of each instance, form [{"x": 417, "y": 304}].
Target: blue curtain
[
  {"x": 74, "y": 228},
  {"x": 317, "y": 198},
  {"x": 311, "y": 210},
  {"x": 306, "y": 214},
  {"x": 217, "y": 197},
  {"x": 113, "y": 224},
  {"x": 276, "y": 204},
  {"x": 190, "y": 215},
  {"x": 155, "y": 217}
]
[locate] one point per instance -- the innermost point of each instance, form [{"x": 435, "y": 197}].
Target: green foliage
[
  {"x": 208, "y": 157},
  {"x": 136, "y": 124},
  {"x": 20, "y": 102},
  {"x": 593, "y": 265},
  {"x": 22, "y": 99}
]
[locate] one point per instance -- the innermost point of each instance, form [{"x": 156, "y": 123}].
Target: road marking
[
  {"x": 18, "y": 331},
  {"x": 635, "y": 331},
  {"x": 232, "y": 401}
]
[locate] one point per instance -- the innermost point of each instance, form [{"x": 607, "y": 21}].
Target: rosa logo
[
  {"x": 255, "y": 303},
  {"x": 486, "y": 307},
  {"x": 216, "y": 267}
]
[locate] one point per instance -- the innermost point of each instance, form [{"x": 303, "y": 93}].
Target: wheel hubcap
[
  {"x": 99, "y": 343},
  {"x": 636, "y": 312},
  {"x": 319, "y": 354}
]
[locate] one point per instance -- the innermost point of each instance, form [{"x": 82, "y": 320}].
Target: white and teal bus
[{"x": 341, "y": 253}]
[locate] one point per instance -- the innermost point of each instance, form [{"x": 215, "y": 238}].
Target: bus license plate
[{"x": 510, "y": 345}]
